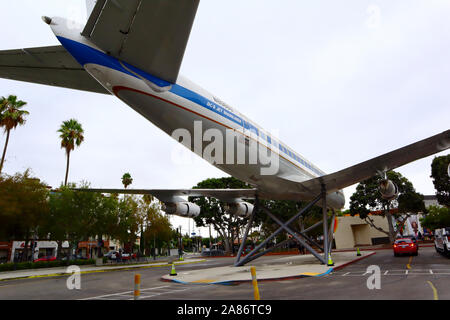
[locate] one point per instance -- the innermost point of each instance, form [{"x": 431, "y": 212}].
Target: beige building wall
[{"x": 353, "y": 231}]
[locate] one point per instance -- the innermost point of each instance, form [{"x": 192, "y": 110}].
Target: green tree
[
  {"x": 441, "y": 180},
  {"x": 129, "y": 220},
  {"x": 127, "y": 180},
  {"x": 158, "y": 230},
  {"x": 23, "y": 208},
  {"x": 213, "y": 211},
  {"x": 71, "y": 135},
  {"x": 11, "y": 116},
  {"x": 437, "y": 218},
  {"x": 79, "y": 216},
  {"x": 367, "y": 198}
]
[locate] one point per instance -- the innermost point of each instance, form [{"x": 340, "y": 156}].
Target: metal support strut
[{"x": 301, "y": 237}]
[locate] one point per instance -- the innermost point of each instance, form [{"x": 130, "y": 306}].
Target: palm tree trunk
[
  {"x": 67, "y": 168},
  {"x": 4, "y": 150}
]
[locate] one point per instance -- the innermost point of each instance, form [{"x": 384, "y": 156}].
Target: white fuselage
[{"x": 187, "y": 106}]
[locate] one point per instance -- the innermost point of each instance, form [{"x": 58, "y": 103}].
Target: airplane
[{"x": 133, "y": 49}]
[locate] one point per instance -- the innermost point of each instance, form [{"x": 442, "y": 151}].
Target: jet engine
[
  {"x": 182, "y": 209},
  {"x": 242, "y": 209},
  {"x": 388, "y": 189}
]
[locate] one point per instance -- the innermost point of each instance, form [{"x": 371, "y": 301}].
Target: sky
[{"x": 341, "y": 81}]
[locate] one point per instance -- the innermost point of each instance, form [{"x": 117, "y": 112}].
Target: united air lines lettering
[{"x": 234, "y": 148}]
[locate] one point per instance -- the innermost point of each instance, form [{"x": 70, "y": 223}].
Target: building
[
  {"x": 41, "y": 249},
  {"x": 354, "y": 232}
]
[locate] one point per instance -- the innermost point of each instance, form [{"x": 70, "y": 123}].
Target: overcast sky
[{"x": 341, "y": 81}]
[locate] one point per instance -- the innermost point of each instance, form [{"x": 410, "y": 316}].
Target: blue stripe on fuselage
[{"x": 85, "y": 54}]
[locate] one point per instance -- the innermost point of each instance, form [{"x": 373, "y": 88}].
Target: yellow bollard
[
  {"x": 255, "y": 283},
  {"x": 137, "y": 286}
]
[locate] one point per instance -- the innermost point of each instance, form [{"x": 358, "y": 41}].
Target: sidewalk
[{"x": 61, "y": 271}]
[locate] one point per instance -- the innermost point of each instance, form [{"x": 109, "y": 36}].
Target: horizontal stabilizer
[{"x": 52, "y": 66}]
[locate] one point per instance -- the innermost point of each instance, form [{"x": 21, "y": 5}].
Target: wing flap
[
  {"x": 150, "y": 35},
  {"x": 52, "y": 66}
]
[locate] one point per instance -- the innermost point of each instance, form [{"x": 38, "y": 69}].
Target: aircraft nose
[{"x": 47, "y": 20}]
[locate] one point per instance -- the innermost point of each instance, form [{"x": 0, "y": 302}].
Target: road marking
[
  {"x": 345, "y": 274},
  {"x": 157, "y": 294},
  {"x": 435, "y": 293},
  {"x": 386, "y": 272},
  {"x": 122, "y": 293},
  {"x": 431, "y": 271},
  {"x": 406, "y": 271}
]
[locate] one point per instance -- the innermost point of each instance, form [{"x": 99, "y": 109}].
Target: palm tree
[
  {"x": 71, "y": 134},
  {"x": 10, "y": 117},
  {"x": 127, "y": 180}
]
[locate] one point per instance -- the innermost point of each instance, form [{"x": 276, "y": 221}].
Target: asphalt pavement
[{"x": 426, "y": 276}]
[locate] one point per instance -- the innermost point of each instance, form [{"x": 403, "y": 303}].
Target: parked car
[
  {"x": 75, "y": 257},
  {"x": 442, "y": 240},
  {"x": 110, "y": 254},
  {"x": 46, "y": 258},
  {"x": 128, "y": 256},
  {"x": 405, "y": 246}
]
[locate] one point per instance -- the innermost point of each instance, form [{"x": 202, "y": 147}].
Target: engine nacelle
[
  {"x": 388, "y": 189},
  {"x": 182, "y": 209},
  {"x": 241, "y": 209}
]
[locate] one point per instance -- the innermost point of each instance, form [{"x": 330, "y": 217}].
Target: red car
[
  {"x": 405, "y": 246},
  {"x": 47, "y": 258}
]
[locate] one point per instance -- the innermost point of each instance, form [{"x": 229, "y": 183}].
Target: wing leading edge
[
  {"x": 389, "y": 161},
  {"x": 167, "y": 195}
]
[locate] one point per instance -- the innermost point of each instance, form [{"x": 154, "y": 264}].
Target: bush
[{"x": 43, "y": 264}]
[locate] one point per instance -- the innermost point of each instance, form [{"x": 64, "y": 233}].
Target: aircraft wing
[
  {"x": 151, "y": 35},
  {"x": 166, "y": 195},
  {"x": 49, "y": 66},
  {"x": 386, "y": 162}
]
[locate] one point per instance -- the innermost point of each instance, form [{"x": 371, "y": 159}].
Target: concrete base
[{"x": 268, "y": 269}]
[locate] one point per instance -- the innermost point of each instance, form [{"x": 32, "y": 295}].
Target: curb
[
  {"x": 353, "y": 261},
  {"x": 110, "y": 269}
]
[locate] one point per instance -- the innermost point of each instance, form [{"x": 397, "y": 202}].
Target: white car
[{"x": 442, "y": 240}]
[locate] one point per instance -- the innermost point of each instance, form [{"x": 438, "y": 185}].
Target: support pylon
[{"x": 173, "y": 272}]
